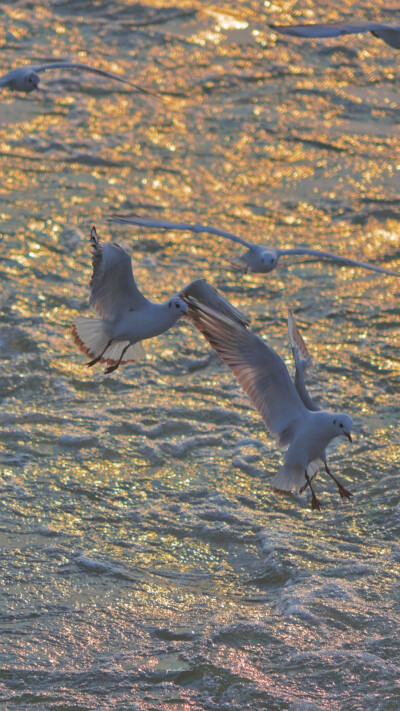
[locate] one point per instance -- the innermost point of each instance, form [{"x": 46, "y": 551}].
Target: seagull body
[
  {"x": 26, "y": 79},
  {"x": 265, "y": 378},
  {"x": 388, "y": 33},
  {"x": 258, "y": 258},
  {"x": 126, "y": 317}
]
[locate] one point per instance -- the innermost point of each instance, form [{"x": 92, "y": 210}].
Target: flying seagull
[
  {"x": 264, "y": 377},
  {"x": 125, "y": 316},
  {"x": 388, "y": 33},
  {"x": 26, "y": 79},
  {"x": 258, "y": 258}
]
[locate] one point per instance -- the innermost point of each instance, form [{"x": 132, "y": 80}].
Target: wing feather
[
  {"x": 203, "y": 292},
  {"x": 307, "y": 251},
  {"x": 184, "y": 226},
  {"x": 334, "y": 29},
  {"x": 259, "y": 370},
  {"x": 113, "y": 287}
]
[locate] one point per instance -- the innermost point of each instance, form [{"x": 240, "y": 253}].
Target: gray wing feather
[
  {"x": 184, "y": 226},
  {"x": 87, "y": 68},
  {"x": 334, "y": 29},
  {"x": 307, "y": 251},
  {"x": 303, "y": 361},
  {"x": 113, "y": 287},
  {"x": 259, "y": 370},
  {"x": 203, "y": 292}
]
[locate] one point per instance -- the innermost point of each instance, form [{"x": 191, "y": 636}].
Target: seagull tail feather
[
  {"x": 292, "y": 479},
  {"x": 91, "y": 337}
]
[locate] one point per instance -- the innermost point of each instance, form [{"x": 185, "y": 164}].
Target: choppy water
[{"x": 146, "y": 564}]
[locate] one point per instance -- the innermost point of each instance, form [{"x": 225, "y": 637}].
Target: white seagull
[
  {"x": 26, "y": 79},
  {"x": 126, "y": 317},
  {"x": 258, "y": 258},
  {"x": 265, "y": 378},
  {"x": 388, "y": 33}
]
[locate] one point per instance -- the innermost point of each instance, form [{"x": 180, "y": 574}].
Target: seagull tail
[
  {"x": 291, "y": 479},
  {"x": 91, "y": 336}
]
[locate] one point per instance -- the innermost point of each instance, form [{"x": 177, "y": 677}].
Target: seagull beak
[{"x": 348, "y": 435}]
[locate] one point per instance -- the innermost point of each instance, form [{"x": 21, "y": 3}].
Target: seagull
[
  {"x": 303, "y": 361},
  {"x": 26, "y": 79},
  {"x": 125, "y": 316},
  {"x": 264, "y": 377},
  {"x": 388, "y": 33},
  {"x": 258, "y": 258}
]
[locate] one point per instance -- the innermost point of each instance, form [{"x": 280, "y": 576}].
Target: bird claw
[
  {"x": 110, "y": 369},
  {"x": 344, "y": 493},
  {"x": 315, "y": 504}
]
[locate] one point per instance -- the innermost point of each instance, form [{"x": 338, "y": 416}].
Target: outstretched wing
[
  {"x": 336, "y": 258},
  {"x": 303, "y": 361},
  {"x": 334, "y": 29},
  {"x": 87, "y": 68},
  {"x": 203, "y": 292},
  {"x": 186, "y": 227},
  {"x": 259, "y": 370},
  {"x": 113, "y": 288}
]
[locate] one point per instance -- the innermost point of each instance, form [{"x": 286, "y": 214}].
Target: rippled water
[{"x": 146, "y": 564}]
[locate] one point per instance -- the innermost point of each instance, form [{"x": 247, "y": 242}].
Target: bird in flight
[
  {"x": 388, "y": 33},
  {"x": 26, "y": 79},
  {"x": 258, "y": 258},
  {"x": 125, "y": 316},
  {"x": 264, "y": 377}
]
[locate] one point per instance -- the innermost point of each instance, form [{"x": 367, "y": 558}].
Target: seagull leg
[
  {"x": 111, "y": 368},
  {"x": 344, "y": 493},
  {"x": 96, "y": 360},
  {"x": 315, "y": 504}
]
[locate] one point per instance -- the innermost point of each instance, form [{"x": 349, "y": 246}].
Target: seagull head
[
  {"x": 28, "y": 81},
  {"x": 177, "y": 306},
  {"x": 342, "y": 425},
  {"x": 261, "y": 260}
]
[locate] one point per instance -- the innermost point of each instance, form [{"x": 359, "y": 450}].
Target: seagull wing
[
  {"x": 303, "y": 361},
  {"x": 301, "y": 353},
  {"x": 87, "y": 68},
  {"x": 203, "y": 292},
  {"x": 334, "y": 29},
  {"x": 113, "y": 287},
  {"x": 166, "y": 225},
  {"x": 336, "y": 258},
  {"x": 259, "y": 370}
]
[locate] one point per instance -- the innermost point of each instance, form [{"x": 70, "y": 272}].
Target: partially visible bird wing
[
  {"x": 259, "y": 370},
  {"x": 336, "y": 258},
  {"x": 303, "y": 361},
  {"x": 113, "y": 287},
  {"x": 87, "y": 68},
  {"x": 186, "y": 227},
  {"x": 334, "y": 29},
  {"x": 300, "y": 351},
  {"x": 203, "y": 292}
]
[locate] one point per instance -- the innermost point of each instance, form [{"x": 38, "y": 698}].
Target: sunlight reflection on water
[{"x": 146, "y": 562}]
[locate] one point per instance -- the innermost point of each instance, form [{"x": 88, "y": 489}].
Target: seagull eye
[
  {"x": 177, "y": 306},
  {"x": 341, "y": 425}
]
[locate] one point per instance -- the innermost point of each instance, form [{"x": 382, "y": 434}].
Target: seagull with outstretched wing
[
  {"x": 258, "y": 258},
  {"x": 265, "y": 379}
]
